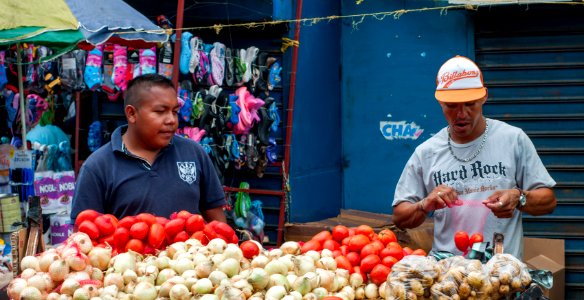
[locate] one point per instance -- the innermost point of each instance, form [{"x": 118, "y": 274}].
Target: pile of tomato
[
  {"x": 362, "y": 250},
  {"x": 145, "y": 232}
]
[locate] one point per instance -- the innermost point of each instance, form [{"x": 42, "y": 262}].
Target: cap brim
[{"x": 465, "y": 95}]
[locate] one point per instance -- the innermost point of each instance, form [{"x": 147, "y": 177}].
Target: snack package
[
  {"x": 412, "y": 277},
  {"x": 461, "y": 278},
  {"x": 507, "y": 275}
]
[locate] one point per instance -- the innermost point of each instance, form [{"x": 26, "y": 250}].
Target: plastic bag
[
  {"x": 507, "y": 274},
  {"x": 461, "y": 278},
  {"x": 412, "y": 277}
]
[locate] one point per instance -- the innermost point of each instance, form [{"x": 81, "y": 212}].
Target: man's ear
[{"x": 130, "y": 113}]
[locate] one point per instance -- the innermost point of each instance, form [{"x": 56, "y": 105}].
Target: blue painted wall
[
  {"x": 389, "y": 69},
  {"x": 315, "y": 170}
]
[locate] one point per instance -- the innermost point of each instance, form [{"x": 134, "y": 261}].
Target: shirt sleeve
[
  {"x": 410, "y": 187},
  {"x": 89, "y": 192},
  {"x": 531, "y": 172},
  {"x": 212, "y": 194}
]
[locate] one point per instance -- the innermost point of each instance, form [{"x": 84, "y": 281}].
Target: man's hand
[
  {"x": 442, "y": 196},
  {"x": 503, "y": 202},
  {"x": 214, "y": 214}
]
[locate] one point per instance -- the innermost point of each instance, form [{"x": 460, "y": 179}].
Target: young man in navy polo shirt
[{"x": 145, "y": 167}]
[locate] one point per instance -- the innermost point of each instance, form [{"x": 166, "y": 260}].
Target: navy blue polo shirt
[{"x": 114, "y": 181}]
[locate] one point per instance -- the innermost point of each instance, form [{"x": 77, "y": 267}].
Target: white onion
[
  {"x": 326, "y": 253},
  {"x": 259, "y": 261},
  {"x": 287, "y": 260},
  {"x": 203, "y": 269},
  {"x": 29, "y": 262},
  {"x": 179, "y": 292},
  {"x": 302, "y": 285},
  {"x": 83, "y": 241},
  {"x": 189, "y": 274},
  {"x": 383, "y": 289},
  {"x": 181, "y": 265},
  {"x": 313, "y": 254},
  {"x": 30, "y": 293},
  {"x": 145, "y": 291},
  {"x": 28, "y": 273},
  {"x": 290, "y": 247},
  {"x": 276, "y": 267},
  {"x": 217, "y": 245},
  {"x": 258, "y": 278},
  {"x": 162, "y": 262},
  {"x": 189, "y": 282},
  {"x": 275, "y": 253},
  {"x": 53, "y": 296},
  {"x": 216, "y": 277},
  {"x": 15, "y": 288},
  {"x": 278, "y": 279},
  {"x": 349, "y": 291},
  {"x": 99, "y": 257},
  {"x": 76, "y": 262},
  {"x": 164, "y": 275},
  {"x": 46, "y": 259},
  {"x": 310, "y": 296},
  {"x": 110, "y": 290},
  {"x": 320, "y": 292},
  {"x": 124, "y": 261},
  {"x": 371, "y": 291},
  {"x": 129, "y": 276},
  {"x": 114, "y": 279},
  {"x": 303, "y": 264},
  {"x": 38, "y": 282},
  {"x": 326, "y": 278},
  {"x": 360, "y": 293},
  {"x": 209, "y": 297},
  {"x": 233, "y": 251},
  {"x": 69, "y": 286},
  {"x": 230, "y": 267},
  {"x": 276, "y": 292},
  {"x": 79, "y": 276},
  {"x": 202, "y": 286},
  {"x": 58, "y": 270},
  {"x": 216, "y": 259},
  {"x": 96, "y": 274},
  {"x": 327, "y": 263},
  {"x": 356, "y": 280}
]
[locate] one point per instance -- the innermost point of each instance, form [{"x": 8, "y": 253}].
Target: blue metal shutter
[{"x": 533, "y": 63}]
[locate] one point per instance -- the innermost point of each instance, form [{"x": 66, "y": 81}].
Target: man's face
[
  {"x": 464, "y": 119},
  {"x": 155, "y": 120}
]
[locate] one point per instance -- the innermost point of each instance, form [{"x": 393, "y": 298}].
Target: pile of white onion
[{"x": 186, "y": 270}]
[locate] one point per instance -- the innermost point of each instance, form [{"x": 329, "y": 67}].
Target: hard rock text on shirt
[{"x": 475, "y": 170}]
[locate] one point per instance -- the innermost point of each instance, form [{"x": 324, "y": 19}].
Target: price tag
[{"x": 21, "y": 159}]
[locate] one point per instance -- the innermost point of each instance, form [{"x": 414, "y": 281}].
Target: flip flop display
[{"x": 185, "y": 53}]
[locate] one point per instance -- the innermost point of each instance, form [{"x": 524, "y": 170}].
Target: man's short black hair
[{"x": 144, "y": 82}]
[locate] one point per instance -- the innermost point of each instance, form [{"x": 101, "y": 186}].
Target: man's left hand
[{"x": 503, "y": 202}]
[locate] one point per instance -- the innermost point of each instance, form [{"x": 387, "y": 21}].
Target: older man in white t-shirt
[{"x": 477, "y": 174}]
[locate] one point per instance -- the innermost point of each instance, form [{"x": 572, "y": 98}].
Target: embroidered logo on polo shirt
[{"x": 187, "y": 170}]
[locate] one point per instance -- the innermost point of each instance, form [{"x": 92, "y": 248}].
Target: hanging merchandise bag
[{"x": 71, "y": 68}]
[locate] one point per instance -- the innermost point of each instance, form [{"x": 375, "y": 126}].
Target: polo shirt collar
[{"x": 118, "y": 143}]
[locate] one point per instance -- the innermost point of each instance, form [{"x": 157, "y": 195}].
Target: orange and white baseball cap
[{"x": 459, "y": 80}]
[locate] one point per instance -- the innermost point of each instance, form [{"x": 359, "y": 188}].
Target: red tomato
[
  {"x": 139, "y": 230},
  {"x": 234, "y": 239},
  {"x": 322, "y": 236},
  {"x": 461, "y": 240},
  {"x": 121, "y": 237},
  {"x": 387, "y": 236},
  {"x": 162, "y": 220},
  {"x": 209, "y": 232},
  {"x": 173, "y": 227},
  {"x": 135, "y": 245},
  {"x": 384, "y": 252},
  {"x": 222, "y": 228},
  {"x": 340, "y": 232},
  {"x": 250, "y": 249},
  {"x": 357, "y": 242},
  {"x": 195, "y": 223},
  {"x": 104, "y": 225},
  {"x": 86, "y": 215},
  {"x": 379, "y": 274},
  {"x": 407, "y": 251},
  {"x": 331, "y": 245},
  {"x": 311, "y": 245},
  {"x": 377, "y": 244},
  {"x": 181, "y": 237},
  {"x": 127, "y": 222},
  {"x": 332, "y": 298},
  {"x": 357, "y": 269},
  {"x": 343, "y": 263},
  {"x": 369, "y": 249},
  {"x": 344, "y": 249},
  {"x": 354, "y": 258},
  {"x": 389, "y": 261},
  {"x": 420, "y": 252},
  {"x": 337, "y": 253},
  {"x": 476, "y": 238},
  {"x": 156, "y": 235},
  {"x": 183, "y": 214},
  {"x": 113, "y": 219},
  {"x": 369, "y": 262},
  {"x": 396, "y": 251},
  {"x": 147, "y": 218},
  {"x": 90, "y": 229},
  {"x": 365, "y": 230},
  {"x": 199, "y": 235},
  {"x": 107, "y": 240}
]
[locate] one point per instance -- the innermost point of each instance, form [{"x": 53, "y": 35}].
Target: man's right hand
[{"x": 442, "y": 196}]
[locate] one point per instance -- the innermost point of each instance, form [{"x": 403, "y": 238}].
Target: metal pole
[
  {"x": 21, "y": 93},
  {"x": 177, "y": 42}
]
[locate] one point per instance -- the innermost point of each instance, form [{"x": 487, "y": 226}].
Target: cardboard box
[{"x": 547, "y": 254}]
